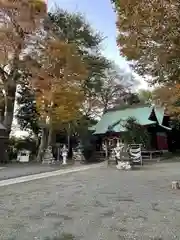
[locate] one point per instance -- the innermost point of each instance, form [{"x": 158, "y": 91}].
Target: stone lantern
[{"x": 64, "y": 154}]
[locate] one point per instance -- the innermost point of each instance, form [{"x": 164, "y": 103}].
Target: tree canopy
[
  {"x": 20, "y": 21},
  {"x": 135, "y": 133},
  {"x": 27, "y": 115},
  {"x": 169, "y": 96},
  {"x": 149, "y": 37},
  {"x": 145, "y": 96},
  {"x": 72, "y": 30},
  {"x": 59, "y": 82},
  {"x": 113, "y": 88}
]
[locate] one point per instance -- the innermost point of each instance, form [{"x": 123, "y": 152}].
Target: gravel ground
[
  {"x": 18, "y": 170},
  {"x": 103, "y": 203}
]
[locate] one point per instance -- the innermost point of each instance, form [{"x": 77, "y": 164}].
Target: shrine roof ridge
[{"x": 123, "y": 107}]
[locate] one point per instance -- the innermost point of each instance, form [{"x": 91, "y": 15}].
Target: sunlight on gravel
[{"x": 96, "y": 204}]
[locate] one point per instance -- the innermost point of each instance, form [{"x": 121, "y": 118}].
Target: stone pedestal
[
  {"x": 64, "y": 160},
  {"x": 48, "y": 156},
  {"x": 77, "y": 155},
  {"x": 123, "y": 165},
  {"x": 112, "y": 158}
]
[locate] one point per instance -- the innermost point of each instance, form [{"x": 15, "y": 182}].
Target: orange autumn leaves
[
  {"x": 19, "y": 20},
  {"x": 169, "y": 96},
  {"x": 148, "y": 36},
  {"x": 24, "y": 13},
  {"x": 36, "y": 5},
  {"x": 58, "y": 71},
  {"x": 59, "y": 82}
]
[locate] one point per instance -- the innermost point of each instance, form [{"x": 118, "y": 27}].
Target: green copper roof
[
  {"x": 159, "y": 111},
  {"x": 112, "y": 120}
]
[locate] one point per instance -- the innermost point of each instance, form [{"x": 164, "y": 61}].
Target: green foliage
[
  {"x": 79, "y": 130},
  {"x": 27, "y": 114},
  {"x": 80, "y": 126},
  {"x": 145, "y": 96},
  {"x": 135, "y": 134},
  {"x": 73, "y": 28},
  {"x": 97, "y": 65},
  {"x": 132, "y": 98},
  {"x": 88, "y": 149},
  {"x": 88, "y": 145},
  {"x": 175, "y": 123}
]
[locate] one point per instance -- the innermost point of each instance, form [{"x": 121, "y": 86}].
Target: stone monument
[
  {"x": 48, "y": 156},
  {"x": 122, "y": 161},
  {"x": 118, "y": 150},
  {"x": 77, "y": 153}
]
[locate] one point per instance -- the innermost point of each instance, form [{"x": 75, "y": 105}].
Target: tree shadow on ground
[{"x": 64, "y": 236}]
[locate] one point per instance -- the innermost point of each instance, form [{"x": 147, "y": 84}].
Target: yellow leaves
[
  {"x": 169, "y": 96},
  {"x": 61, "y": 105},
  {"x": 148, "y": 34},
  {"x": 66, "y": 60},
  {"x": 39, "y": 6},
  {"x": 59, "y": 82},
  {"x": 23, "y": 12},
  {"x": 19, "y": 20},
  {"x": 61, "y": 60}
]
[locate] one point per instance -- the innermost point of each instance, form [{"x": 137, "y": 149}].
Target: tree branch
[{"x": 3, "y": 74}]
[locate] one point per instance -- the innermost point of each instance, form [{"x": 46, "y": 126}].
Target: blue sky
[{"x": 101, "y": 16}]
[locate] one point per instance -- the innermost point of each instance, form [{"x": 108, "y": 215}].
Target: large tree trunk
[
  {"x": 10, "y": 94},
  {"x": 42, "y": 145},
  {"x": 50, "y": 133},
  {"x": 36, "y": 136}
]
